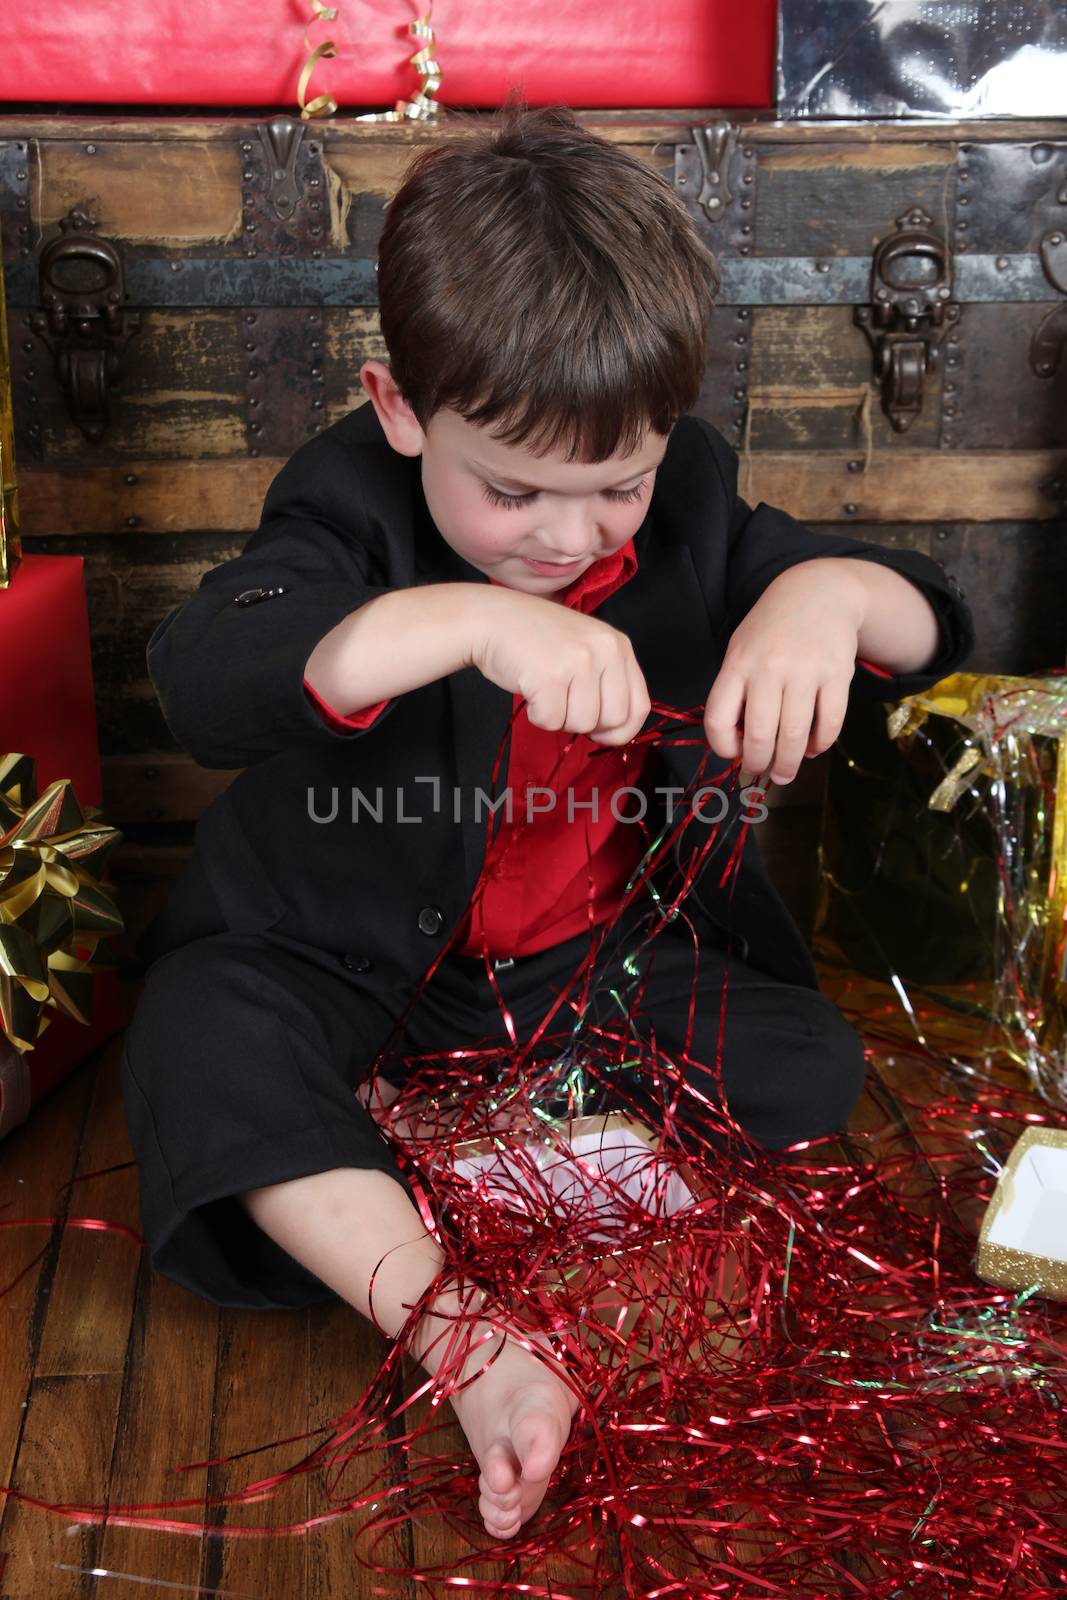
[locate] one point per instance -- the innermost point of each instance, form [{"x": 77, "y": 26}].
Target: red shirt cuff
[
  {"x": 334, "y": 719},
  {"x": 880, "y": 671}
]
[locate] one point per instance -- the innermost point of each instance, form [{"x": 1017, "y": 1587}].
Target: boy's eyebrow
[{"x": 533, "y": 488}]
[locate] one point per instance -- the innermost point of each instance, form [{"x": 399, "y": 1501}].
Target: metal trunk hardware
[
  {"x": 909, "y": 314},
  {"x": 280, "y": 138},
  {"x": 84, "y": 323},
  {"x": 1047, "y": 345},
  {"x": 715, "y": 147}
]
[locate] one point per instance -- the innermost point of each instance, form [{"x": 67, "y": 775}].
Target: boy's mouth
[{"x": 552, "y": 569}]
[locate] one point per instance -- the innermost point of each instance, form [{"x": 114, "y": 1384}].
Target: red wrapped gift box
[
  {"x": 176, "y": 52},
  {"x": 47, "y": 711}
]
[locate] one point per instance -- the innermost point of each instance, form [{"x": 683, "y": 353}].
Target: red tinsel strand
[{"x": 856, "y": 1414}]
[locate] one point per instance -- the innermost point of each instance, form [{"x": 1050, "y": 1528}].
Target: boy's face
[{"x": 506, "y": 511}]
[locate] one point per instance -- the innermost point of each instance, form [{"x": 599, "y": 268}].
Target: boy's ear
[{"x": 399, "y": 423}]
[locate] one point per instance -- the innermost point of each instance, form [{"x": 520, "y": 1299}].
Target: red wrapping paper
[
  {"x": 47, "y": 711},
  {"x": 684, "y": 53}
]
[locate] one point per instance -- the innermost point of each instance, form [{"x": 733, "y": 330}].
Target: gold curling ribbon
[
  {"x": 52, "y": 852},
  {"x": 10, "y": 544},
  {"x": 323, "y": 105},
  {"x": 422, "y": 107}
]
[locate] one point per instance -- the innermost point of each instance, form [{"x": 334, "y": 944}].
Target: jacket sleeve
[
  {"x": 228, "y": 663},
  {"x": 764, "y": 542}
]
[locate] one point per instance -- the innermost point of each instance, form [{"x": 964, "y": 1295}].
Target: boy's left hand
[{"x": 782, "y": 691}]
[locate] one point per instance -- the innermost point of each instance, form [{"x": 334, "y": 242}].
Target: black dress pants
[{"x": 242, "y": 1061}]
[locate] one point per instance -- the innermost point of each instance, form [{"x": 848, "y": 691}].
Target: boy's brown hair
[{"x": 546, "y": 284}]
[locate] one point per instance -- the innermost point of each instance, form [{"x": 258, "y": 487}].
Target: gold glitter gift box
[{"x": 1023, "y": 1239}]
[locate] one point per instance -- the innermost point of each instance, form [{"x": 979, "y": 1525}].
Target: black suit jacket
[{"x": 345, "y": 520}]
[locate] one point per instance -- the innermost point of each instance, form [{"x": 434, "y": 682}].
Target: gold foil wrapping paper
[
  {"x": 10, "y": 545},
  {"x": 943, "y": 871}
]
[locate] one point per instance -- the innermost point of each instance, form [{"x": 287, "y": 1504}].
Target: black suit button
[
  {"x": 358, "y": 963},
  {"x": 431, "y": 919},
  {"x": 252, "y": 597}
]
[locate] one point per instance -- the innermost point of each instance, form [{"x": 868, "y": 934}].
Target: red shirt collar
[{"x": 594, "y": 585}]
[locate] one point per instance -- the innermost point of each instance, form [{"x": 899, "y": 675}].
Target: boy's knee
[{"x": 829, "y": 1091}]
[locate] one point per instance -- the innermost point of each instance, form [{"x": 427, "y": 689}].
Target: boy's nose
[{"x": 570, "y": 537}]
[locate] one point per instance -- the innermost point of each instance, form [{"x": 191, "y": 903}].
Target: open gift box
[
  {"x": 605, "y": 1171},
  {"x": 589, "y": 1163},
  {"x": 1023, "y": 1239}
]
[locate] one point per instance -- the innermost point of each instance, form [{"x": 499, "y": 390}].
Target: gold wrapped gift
[
  {"x": 1023, "y": 1240},
  {"x": 943, "y": 871},
  {"x": 10, "y": 545}
]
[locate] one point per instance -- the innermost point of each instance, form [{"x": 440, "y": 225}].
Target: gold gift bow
[
  {"x": 51, "y": 855},
  {"x": 422, "y": 107},
  {"x": 999, "y": 710}
]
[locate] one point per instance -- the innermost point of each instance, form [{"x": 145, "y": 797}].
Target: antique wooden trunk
[{"x": 190, "y": 299}]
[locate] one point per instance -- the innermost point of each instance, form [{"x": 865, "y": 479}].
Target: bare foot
[{"x": 516, "y": 1416}]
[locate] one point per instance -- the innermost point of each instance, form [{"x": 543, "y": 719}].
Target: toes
[
  {"x": 498, "y": 1531},
  {"x": 537, "y": 1443},
  {"x": 500, "y": 1506},
  {"x": 500, "y": 1472},
  {"x": 499, "y": 1519}
]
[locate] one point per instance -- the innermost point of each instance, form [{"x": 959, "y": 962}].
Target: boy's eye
[{"x": 497, "y": 498}]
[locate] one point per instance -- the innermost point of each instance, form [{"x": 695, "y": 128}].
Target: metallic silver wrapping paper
[{"x": 961, "y": 59}]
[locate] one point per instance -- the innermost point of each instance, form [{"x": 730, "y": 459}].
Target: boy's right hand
[{"x": 574, "y": 672}]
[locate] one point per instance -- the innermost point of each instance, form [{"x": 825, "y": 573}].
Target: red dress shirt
[{"x": 538, "y": 894}]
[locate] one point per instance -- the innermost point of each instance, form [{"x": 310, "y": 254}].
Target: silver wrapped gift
[{"x": 924, "y": 58}]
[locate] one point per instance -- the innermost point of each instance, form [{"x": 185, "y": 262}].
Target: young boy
[{"x": 523, "y": 518}]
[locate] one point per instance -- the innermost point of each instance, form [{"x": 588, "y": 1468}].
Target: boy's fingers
[
  {"x": 640, "y": 700},
  {"x": 547, "y": 707},
  {"x": 614, "y": 699},
  {"x": 830, "y": 708},
  {"x": 763, "y": 715},
  {"x": 583, "y": 702},
  {"x": 723, "y": 713},
  {"x": 794, "y": 728}
]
